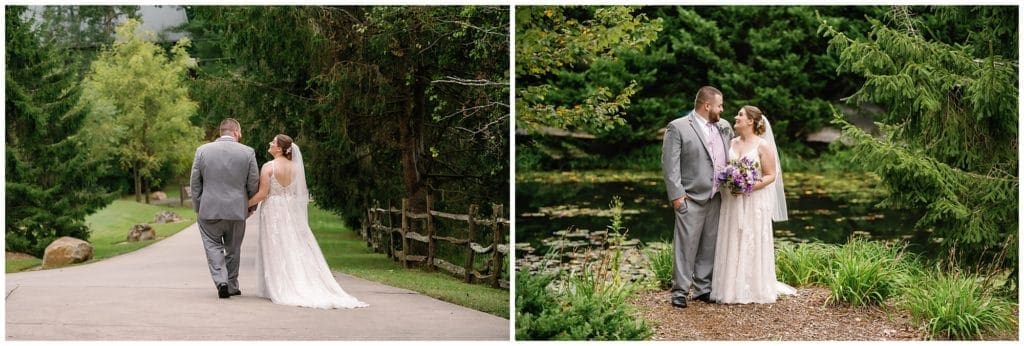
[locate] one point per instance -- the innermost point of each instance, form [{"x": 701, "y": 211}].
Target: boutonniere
[{"x": 722, "y": 129}]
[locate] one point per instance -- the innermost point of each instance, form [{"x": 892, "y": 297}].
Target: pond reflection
[{"x": 825, "y": 209}]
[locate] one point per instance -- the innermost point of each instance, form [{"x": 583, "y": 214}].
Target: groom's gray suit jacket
[
  {"x": 686, "y": 158},
  {"x": 224, "y": 177}
]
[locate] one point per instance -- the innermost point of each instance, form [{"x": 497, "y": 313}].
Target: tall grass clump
[
  {"x": 804, "y": 264},
  {"x": 586, "y": 304},
  {"x": 865, "y": 272},
  {"x": 660, "y": 260},
  {"x": 958, "y": 304}
]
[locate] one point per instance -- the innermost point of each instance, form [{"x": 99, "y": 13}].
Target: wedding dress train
[{"x": 290, "y": 267}]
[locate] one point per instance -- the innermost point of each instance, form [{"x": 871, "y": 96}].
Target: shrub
[
  {"x": 589, "y": 304},
  {"x": 586, "y": 309}
]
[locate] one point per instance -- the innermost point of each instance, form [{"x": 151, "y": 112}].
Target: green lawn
[
  {"x": 110, "y": 226},
  {"x": 345, "y": 251},
  {"x": 109, "y": 229},
  {"x": 21, "y": 264}
]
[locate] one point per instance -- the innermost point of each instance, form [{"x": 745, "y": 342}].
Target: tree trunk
[
  {"x": 411, "y": 137},
  {"x": 138, "y": 184},
  {"x": 411, "y": 132},
  {"x": 147, "y": 191}
]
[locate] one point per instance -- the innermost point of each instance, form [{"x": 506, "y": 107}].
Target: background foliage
[
  {"x": 386, "y": 102},
  {"x": 938, "y": 79}
]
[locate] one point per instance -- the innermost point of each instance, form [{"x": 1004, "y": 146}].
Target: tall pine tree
[
  {"x": 950, "y": 133},
  {"x": 52, "y": 181}
]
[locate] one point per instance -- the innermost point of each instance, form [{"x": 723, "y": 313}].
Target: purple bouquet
[{"x": 739, "y": 176}]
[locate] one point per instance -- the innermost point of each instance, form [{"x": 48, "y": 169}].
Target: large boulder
[
  {"x": 65, "y": 251},
  {"x": 167, "y": 217},
  {"x": 158, "y": 196},
  {"x": 142, "y": 231}
]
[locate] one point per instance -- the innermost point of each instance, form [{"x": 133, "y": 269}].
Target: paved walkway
[{"x": 164, "y": 292}]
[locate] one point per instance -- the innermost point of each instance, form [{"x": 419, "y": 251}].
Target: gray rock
[
  {"x": 167, "y": 217},
  {"x": 65, "y": 251},
  {"x": 142, "y": 231}
]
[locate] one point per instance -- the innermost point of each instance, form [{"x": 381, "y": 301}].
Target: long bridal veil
[
  {"x": 777, "y": 190},
  {"x": 301, "y": 207},
  {"x": 777, "y": 197}
]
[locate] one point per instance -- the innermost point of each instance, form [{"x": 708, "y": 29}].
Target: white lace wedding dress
[
  {"x": 744, "y": 270},
  {"x": 290, "y": 267}
]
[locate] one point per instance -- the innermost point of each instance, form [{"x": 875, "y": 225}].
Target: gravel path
[{"x": 802, "y": 317}]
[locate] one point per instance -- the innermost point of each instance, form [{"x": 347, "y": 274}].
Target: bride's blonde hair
[{"x": 757, "y": 116}]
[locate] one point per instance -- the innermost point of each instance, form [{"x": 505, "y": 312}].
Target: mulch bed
[{"x": 801, "y": 317}]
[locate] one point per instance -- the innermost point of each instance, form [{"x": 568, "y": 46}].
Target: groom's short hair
[
  {"x": 705, "y": 95},
  {"x": 229, "y": 124}
]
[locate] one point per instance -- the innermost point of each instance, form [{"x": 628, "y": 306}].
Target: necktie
[{"x": 717, "y": 154}]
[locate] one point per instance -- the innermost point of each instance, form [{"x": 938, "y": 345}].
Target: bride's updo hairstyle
[
  {"x": 755, "y": 114},
  {"x": 285, "y": 143}
]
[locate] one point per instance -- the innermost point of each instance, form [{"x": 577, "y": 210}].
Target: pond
[{"x": 821, "y": 208}]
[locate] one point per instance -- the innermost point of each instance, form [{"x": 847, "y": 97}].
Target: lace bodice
[
  {"x": 751, "y": 154},
  {"x": 276, "y": 189}
]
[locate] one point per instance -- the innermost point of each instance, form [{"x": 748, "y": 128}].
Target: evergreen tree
[
  {"x": 950, "y": 134},
  {"x": 141, "y": 108},
  {"x": 51, "y": 177}
]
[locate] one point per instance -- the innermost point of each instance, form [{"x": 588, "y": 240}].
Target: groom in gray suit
[
  {"x": 694, "y": 150},
  {"x": 224, "y": 177}
]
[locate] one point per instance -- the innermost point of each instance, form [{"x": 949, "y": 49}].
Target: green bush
[
  {"x": 661, "y": 265},
  {"x": 802, "y": 265},
  {"x": 865, "y": 272},
  {"x": 957, "y": 306},
  {"x": 586, "y": 309}
]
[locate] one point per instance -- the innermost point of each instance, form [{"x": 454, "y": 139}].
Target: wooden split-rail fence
[{"x": 381, "y": 229}]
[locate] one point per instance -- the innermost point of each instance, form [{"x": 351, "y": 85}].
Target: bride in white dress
[
  {"x": 744, "y": 269},
  {"x": 290, "y": 269}
]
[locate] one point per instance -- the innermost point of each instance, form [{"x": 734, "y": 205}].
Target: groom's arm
[
  {"x": 671, "y": 147},
  {"x": 196, "y": 180},
  {"x": 253, "y": 180}
]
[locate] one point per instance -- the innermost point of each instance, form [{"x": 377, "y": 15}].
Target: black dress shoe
[
  {"x": 679, "y": 302},
  {"x": 222, "y": 291},
  {"x": 706, "y": 297},
  {"x": 237, "y": 293}
]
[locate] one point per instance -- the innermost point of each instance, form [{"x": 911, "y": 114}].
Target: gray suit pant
[
  {"x": 222, "y": 240},
  {"x": 696, "y": 232}
]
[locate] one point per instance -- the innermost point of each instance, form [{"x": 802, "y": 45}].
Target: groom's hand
[{"x": 678, "y": 202}]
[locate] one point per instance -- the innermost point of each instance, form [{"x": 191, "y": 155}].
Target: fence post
[
  {"x": 496, "y": 259},
  {"x": 469, "y": 244},
  {"x": 181, "y": 194},
  {"x": 390, "y": 232},
  {"x": 431, "y": 246},
  {"x": 405, "y": 228}
]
